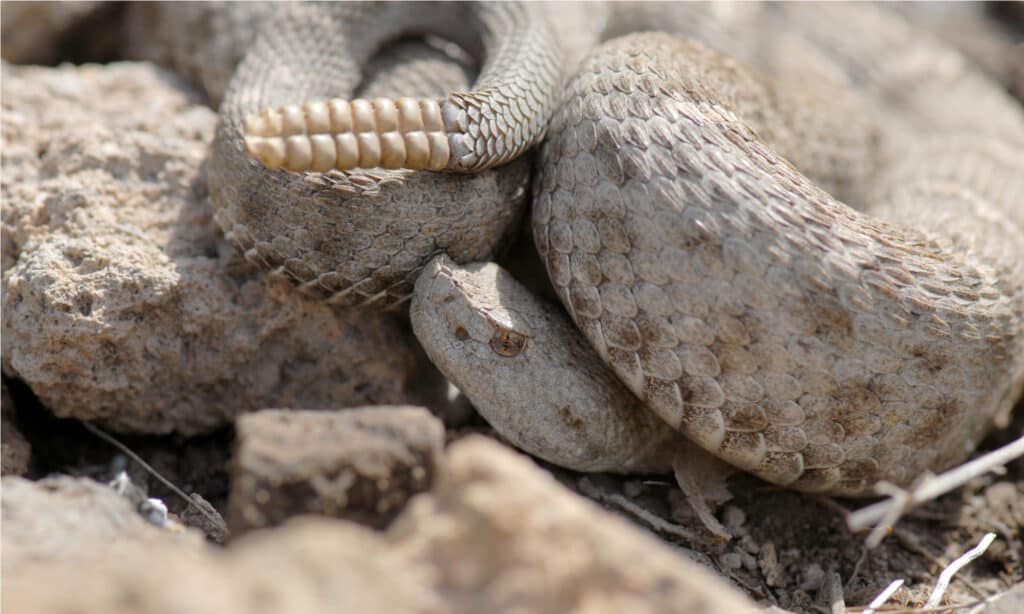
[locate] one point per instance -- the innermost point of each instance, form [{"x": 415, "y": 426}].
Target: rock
[
  {"x": 202, "y": 516},
  {"x": 501, "y": 535},
  {"x": 1009, "y": 602},
  {"x": 359, "y": 464},
  {"x": 32, "y": 31},
  {"x": 498, "y": 534},
  {"x": 73, "y": 520},
  {"x": 311, "y": 567},
  {"x": 15, "y": 451},
  {"x": 123, "y": 304}
]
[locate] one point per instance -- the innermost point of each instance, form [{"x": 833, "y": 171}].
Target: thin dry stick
[
  {"x": 856, "y": 568},
  {"x": 888, "y": 511},
  {"x": 910, "y": 542},
  {"x": 138, "y": 459},
  {"x": 951, "y": 570},
  {"x": 884, "y": 596},
  {"x": 655, "y": 522}
]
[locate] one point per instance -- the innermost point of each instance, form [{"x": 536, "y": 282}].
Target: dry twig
[
  {"x": 951, "y": 569},
  {"x": 138, "y": 459},
  {"x": 885, "y": 513}
]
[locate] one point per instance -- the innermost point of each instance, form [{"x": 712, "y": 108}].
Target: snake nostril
[{"x": 461, "y": 333}]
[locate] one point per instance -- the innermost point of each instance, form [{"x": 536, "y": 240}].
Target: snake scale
[{"x": 808, "y": 260}]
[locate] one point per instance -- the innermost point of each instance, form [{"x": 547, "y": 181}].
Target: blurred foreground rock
[
  {"x": 123, "y": 304},
  {"x": 498, "y": 534},
  {"x": 62, "y": 520},
  {"x": 360, "y": 464}
]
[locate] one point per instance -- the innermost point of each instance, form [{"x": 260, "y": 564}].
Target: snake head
[
  {"x": 529, "y": 373},
  {"x": 461, "y": 307}
]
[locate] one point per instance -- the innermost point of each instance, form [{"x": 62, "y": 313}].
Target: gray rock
[
  {"x": 359, "y": 464},
  {"x": 499, "y": 534},
  {"x": 123, "y": 304},
  {"x": 1012, "y": 600}
]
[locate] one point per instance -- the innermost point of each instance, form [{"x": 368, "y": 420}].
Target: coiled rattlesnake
[{"x": 793, "y": 336}]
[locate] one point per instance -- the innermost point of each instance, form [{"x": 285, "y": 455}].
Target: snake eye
[{"x": 507, "y": 343}]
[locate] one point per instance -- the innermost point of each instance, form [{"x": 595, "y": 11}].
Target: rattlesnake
[{"x": 810, "y": 343}]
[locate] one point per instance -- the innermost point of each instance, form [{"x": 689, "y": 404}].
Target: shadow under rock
[{"x": 63, "y": 446}]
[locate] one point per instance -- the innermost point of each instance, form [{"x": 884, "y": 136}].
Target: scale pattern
[
  {"x": 361, "y": 237},
  {"x": 686, "y": 209},
  {"x": 785, "y": 332}
]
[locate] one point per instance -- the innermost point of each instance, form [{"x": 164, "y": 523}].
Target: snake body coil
[{"x": 816, "y": 345}]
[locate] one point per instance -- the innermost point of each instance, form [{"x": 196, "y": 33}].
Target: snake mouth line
[{"x": 343, "y": 135}]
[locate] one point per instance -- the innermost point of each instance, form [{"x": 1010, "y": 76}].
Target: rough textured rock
[
  {"x": 15, "y": 451},
  {"x": 31, "y": 31},
  {"x": 123, "y": 304},
  {"x": 73, "y": 520},
  {"x": 497, "y": 535},
  {"x": 316, "y": 566},
  {"x": 359, "y": 464}
]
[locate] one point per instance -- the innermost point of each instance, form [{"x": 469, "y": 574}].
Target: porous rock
[
  {"x": 316, "y": 566},
  {"x": 360, "y": 464},
  {"x": 121, "y": 301},
  {"x": 82, "y": 537},
  {"x": 1012, "y": 600},
  {"x": 15, "y": 450}
]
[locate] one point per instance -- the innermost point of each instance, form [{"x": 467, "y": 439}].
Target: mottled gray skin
[
  {"x": 361, "y": 237},
  {"x": 811, "y": 344},
  {"x": 786, "y": 333},
  {"x": 528, "y": 372},
  {"x": 815, "y": 345}
]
